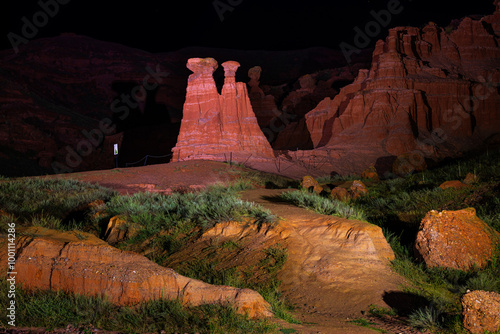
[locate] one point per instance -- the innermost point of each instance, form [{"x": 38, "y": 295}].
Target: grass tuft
[{"x": 322, "y": 205}]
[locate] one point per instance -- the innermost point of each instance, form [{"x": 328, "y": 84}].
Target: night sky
[{"x": 159, "y": 26}]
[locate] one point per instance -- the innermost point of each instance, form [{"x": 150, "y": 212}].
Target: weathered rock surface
[
  {"x": 370, "y": 173},
  {"x": 481, "y": 311},
  {"x": 264, "y": 106},
  {"x": 119, "y": 229},
  {"x": 349, "y": 190},
  {"x": 470, "y": 178},
  {"x": 427, "y": 91},
  {"x": 55, "y": 88},
  {"x": 214, "y": 124},
  {"x": 308, "y": 182},
  {"x": 82, "y": 263},
  {"x": 455, "y": 239},
  {"x": 334, "y": 265},
  {"x": 455, "y": 184}
]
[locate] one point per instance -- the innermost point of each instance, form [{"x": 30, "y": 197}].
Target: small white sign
[{"x": 115, "y": 150}]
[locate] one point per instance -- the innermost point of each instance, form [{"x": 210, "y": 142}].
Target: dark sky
[{"x": 158, "y": 26}]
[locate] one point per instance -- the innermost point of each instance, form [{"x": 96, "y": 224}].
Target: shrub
[{"x": 427, "y": 318}]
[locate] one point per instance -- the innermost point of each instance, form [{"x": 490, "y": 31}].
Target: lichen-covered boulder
[
  {"x": 481, "y": 311},
  {"x": 370, "y": 173},
  {"x": 455, "y": 239},
  {"x": 308, "y": 182}
]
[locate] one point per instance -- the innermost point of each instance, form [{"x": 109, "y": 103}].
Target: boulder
[
  {"x": 97, "y": 208},
  {"x": 453, "y": 184},
  {"x": 81, "y": 263},
  {"x": 481, "y": 311},
  {"x": 214, "y": 126},
  {"x": 341, "y": 194},
  {"x": 470, "y": 178},
  {"x": 455, "y": 239},
  {"x": 308, "y": 182},
  {"x": 119, "y": 229},
  {"x": 349, "y": 191},
  {"x": 370, "y": 173},
  {"x": 358, "y": 189}
]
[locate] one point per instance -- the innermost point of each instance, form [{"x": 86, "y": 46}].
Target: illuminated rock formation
[
  {"x": 55, "y": 260},
  {"x": 430, "y": 90},
  {"x": 213, "y": 124}
]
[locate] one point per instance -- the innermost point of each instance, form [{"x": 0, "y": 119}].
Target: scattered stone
[
  {"x": 455, "y": 239},
  {"x": 370, "y": 173},
  {"x": 119, "y": 229},
  {"x": 455, "y": 184},
  {"x": 349, "y": 191},
  {"x": 56, "y": 260},
  {"x": 470, "y": 178},
  {"x": 309, "y": 182},
  {"x": 481, "y": 311},
  {"x": 358, "y": 189},
  {"x": 341, "y": 194}
]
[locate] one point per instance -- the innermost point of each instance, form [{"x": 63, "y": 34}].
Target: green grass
[
  {"x": 59, "y": 204},
  {"x": 182, "y": 214},
  {"x": 213, "y": 271},
  {"x": 322, "y": 205},
  {"x": 50, "y": 309}
]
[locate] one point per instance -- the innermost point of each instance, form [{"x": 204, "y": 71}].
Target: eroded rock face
[
  {"x": 264, "y": 106},
  {"x": 82, "y": 263},
  {"x": 481, "y": 311},
  {"x": 214, "y": 124},
  {"x": 334, "y": 265},
  {"x": 455, "y": 239},
  {"x": 309, "y": 183},
  {"x": 428, "y": 90}
]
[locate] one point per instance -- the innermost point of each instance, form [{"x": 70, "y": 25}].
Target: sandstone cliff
[{"x": 429, "y": 90}]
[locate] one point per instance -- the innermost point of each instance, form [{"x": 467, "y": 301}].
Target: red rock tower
[{"x": 214, "y": 124}]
